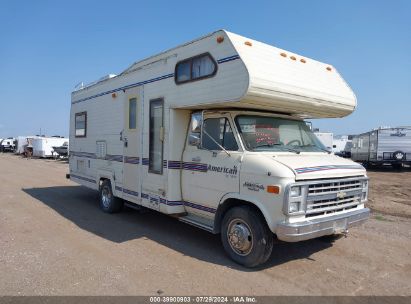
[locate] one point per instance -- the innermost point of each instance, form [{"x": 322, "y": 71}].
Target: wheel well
[
  {"x": 100, "y": 182},
  {"x": 228, "y": 204}
]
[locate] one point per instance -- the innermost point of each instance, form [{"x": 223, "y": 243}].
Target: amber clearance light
[{"x": 220, "y": 39}]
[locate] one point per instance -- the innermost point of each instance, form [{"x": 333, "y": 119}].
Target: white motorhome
[
  {"x": 43, "y": 146},
  {"x": 384, "y": 145},
  {"x": 212, "y": 133}
]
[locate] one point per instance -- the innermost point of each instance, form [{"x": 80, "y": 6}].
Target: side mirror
[{"x": 194, "y": 138}]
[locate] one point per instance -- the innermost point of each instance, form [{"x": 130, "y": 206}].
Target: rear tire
[
  {"x": 108, "y": 202},
  {"x": 246, "y": 237}
]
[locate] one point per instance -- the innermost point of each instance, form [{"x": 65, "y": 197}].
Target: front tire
[
  {"x": 246, "y": 237},
  {"x": 108, "y": 202}
]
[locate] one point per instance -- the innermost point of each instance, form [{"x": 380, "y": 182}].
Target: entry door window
[
  {"x": 156, "y": 136},
  {"x": 132, "y": 113}
]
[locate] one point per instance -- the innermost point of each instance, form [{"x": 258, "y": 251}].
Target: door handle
[{"x": 196, "y": 159}]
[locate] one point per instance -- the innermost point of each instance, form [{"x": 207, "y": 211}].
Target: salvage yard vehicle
[
  {"x": 212, "y": 132},
  {"x": 44, "y": 146},
  {"x": 384, "y": 145},
  {"x": 7, "y": 144}
]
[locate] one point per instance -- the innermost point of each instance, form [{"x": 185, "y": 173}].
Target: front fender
[{"x": 222, "y": 207}]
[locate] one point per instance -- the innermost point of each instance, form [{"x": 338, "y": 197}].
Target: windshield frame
[{"x": 317, "y": 148}]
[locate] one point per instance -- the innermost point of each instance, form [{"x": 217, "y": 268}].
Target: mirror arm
[{"x": 222, "y": 148}]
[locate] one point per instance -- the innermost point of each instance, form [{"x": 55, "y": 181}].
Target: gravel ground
[{"x": 54, "y": 240}]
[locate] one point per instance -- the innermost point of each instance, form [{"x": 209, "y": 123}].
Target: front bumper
[{"x": 295, "y": 232}]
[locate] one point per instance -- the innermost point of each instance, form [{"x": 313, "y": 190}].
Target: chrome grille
[
  {"x": 334, "y": 186},
  {"x": 333, "y": 196}
]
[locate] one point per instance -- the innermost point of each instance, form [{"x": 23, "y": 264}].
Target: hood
[{"x": 309, "y": 166}]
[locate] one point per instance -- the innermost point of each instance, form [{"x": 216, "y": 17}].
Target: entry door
[
  {"x": 154, "y": 160},
  {"x": 209, "y": 172},
  {"x": 131, "y": 139}
]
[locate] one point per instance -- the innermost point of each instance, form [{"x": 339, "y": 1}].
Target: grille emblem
[{"x": 341, "y": 194}]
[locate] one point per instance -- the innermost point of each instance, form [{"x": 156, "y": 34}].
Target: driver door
[{"x": 211, "y": 169}]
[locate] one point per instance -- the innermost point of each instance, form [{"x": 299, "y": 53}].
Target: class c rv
[{"x": 212, "y": 132}]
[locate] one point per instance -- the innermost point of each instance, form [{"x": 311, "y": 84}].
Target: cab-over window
[{"x": 195, "y": 68}]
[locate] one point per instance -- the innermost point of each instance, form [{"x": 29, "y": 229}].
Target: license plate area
[{"x": 340, "y": 226}]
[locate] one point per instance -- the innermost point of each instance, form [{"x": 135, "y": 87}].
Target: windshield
[{"x": 263, "y": 133}]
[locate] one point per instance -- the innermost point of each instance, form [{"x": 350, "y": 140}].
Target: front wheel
[
  {"x": 108, "y": 202},
  {"x": 246, "y": 237}
]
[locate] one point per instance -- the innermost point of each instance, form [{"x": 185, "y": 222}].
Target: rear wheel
[
  {"x": 246, "y": 237},
  {"x": 108, "y": 202}
]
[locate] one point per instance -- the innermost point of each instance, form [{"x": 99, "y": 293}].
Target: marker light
[
  {"x": 293, "y": 58},
  {"x": 220, "y": 39},
  {"x": 303, "y": 60},
  {"x": 248, "y": 43},
  {"x": 329, "y": 69},
  {"x": 283, "y": 54},
  {"x": 273, "y": 189}
]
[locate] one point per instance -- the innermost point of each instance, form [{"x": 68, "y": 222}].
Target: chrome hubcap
[
  {"x": 240, "y": 237},
  {"x": 105, "y": 197}
]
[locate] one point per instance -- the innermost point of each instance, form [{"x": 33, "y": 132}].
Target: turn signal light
[{"x": 273, "y": 189}]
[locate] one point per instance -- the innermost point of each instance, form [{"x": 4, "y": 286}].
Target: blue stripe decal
[
  {"x": 170, "y": 164},
  {"x": 154, "y": 198},
  {"x": 323, "y": 168},
  {"x": 126, "y": 87},
  {"x": 133, "y": 85},
  {"x": 83, "y": 178},
  {"x": 132, "y": 160},
  {"x": 227, "y": 59},
  {"x": 134, "y": 193}
]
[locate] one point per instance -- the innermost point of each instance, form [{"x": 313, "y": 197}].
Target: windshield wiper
[{"x": 278, "y": 145}]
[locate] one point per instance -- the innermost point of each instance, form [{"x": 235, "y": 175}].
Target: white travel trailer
[
  {"x": 326, "y": 139},
  {"x": 383, "y": 146},
  {"x": 43, "y": 146},
  {"x": 21, "y": 143},
  {"x": 342, "y": 145},
  {"x": 7, "y": 144},
  {"x": 212, "y": 133}
]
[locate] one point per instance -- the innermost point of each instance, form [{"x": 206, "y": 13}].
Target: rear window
[{"x": 195, "y": 68}]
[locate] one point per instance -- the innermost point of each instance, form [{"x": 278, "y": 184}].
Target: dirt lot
[{"x": 54, "y": 240}]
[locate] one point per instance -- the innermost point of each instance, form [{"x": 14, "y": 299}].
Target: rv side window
[
  {"x": 217, "y": 132},
  {"x": 195, "y": 68},
  {"x": 156, "y": 137},
  {"x": 81, "y": 124},
  {"x": 132, "y": 113}
]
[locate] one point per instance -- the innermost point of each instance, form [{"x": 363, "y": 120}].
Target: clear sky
[{"x": 47, "y": 47}]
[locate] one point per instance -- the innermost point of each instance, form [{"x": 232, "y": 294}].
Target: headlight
[
  {"x": 294, "y": 207},
  {"x": 295, "y": 191}
]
